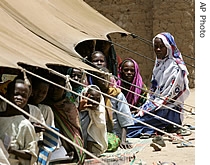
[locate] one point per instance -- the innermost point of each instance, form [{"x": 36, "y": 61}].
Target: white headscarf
[{"x": 97, "y": 126}]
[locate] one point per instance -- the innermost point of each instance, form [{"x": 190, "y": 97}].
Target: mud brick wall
[{"x": 146, "y": 18}]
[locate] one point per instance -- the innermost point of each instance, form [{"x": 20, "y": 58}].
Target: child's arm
[
  {"x": 19, "y": 153},
  {"x": 84, "y": 103},
  {"x": 123, "y": 143}
]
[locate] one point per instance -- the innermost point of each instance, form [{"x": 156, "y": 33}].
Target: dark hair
[
  {"x": 93, "y": 88},
  {"x": 123, "y": 62},
  {"x": 36, "y": 81},
  {"x": 95, "y": 52},
  {"x": 11, "y": 86}
]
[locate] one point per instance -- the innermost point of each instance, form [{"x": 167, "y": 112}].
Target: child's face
[
  {"x": 128, "y": 71},
  {"x": 99, "y": 60},
  {"x": 21, "y": 94},
  {"x": 40, "y": 92},
  {"x": 77, "y": 76},
  {"x": 94, "y": 95}
]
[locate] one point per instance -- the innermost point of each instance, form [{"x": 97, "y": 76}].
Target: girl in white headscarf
[
  {"x": 93, "y": 121},
  {"x": 169, "y": 85}
]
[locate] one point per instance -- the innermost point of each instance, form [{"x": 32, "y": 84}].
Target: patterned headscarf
[
  {"x": 137, "y": 80},
  {"x": 172, "y": 50}
]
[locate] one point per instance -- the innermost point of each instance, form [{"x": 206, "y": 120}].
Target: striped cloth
[{"x": 50, "y": 142}]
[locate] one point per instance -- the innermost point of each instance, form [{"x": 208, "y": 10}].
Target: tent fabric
[
  {"x": 40, "y": 32},
  {"x": 19, "y": 45}
]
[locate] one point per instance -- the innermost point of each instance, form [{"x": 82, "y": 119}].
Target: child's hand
[
  {"x": 38, "y": 127},
  {"x": 85, "y": 103},
  {"x": 140, "y": 113},
  {"x": 70, "y": 154},
  {"x": 125, "y": 145}
]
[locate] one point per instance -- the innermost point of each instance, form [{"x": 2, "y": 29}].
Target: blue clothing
[
  {"x": 137, "y": 129},
  {"x": 120, "y": 120}
]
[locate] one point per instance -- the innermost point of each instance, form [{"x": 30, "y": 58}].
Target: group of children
[{"x": 97, "y": 114}]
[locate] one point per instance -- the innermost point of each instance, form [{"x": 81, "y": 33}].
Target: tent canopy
[{"x": 41, "y": 32}]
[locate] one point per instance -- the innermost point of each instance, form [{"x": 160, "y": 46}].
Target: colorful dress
[{"x": 67, "y": 121}]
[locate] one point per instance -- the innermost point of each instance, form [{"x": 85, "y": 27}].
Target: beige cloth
[
  {"x": 22, "y": 135},
  {"x": 38, "y": 32},
  {"x": 97, "y": 126}
]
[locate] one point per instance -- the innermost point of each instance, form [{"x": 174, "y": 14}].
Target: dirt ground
[{"x": 170, "y": 153}]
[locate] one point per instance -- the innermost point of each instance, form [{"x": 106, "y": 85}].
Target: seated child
[
  {"x": 93, "y": 121},
  {"x": 14, "y": 126},
  {"x": 116, "y": 122},
  {"x": 39, "y": 92},
  {"x": 31, "y": 109}
]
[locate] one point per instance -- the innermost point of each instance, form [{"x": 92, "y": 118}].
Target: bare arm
[
  {"x": 123, "y": 143},
  {"x": 19, "y": 153}
]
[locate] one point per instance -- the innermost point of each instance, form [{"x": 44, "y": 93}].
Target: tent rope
[
  {"x": 61, "y": 75},
  {"x": 134, "y": 93},
  {"x": 148, "y": 91}
]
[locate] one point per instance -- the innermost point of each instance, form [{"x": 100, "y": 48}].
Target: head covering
[
  {"x": 97, "y": 127},
  {"x": 172, "y": 50},
  {"x": 137, "y": 81}
]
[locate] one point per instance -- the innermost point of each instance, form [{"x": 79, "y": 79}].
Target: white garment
[
  {"x": 36, "y": 112},
  {"x": 169, "y": 78},
  {"x": 22, "y": 135},
  {"x": 47, "y": 114},
  {"x": 120, "y": 120},
  {"x": 97, "y": 126},
  {"x": 33, "y": 111},
  {"x": 3, "y": 154}
]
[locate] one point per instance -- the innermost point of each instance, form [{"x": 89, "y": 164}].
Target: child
[
  {"x": 93, "y": 121},
  {"x": 66, "y": 118},
  {"x": 116, "y": 123},
  {"x": 76, "y": 75},
  {"x": 39, "y": 92},
  {"x": 15, "y": 127},
  {"x": 31, "y": 109}
]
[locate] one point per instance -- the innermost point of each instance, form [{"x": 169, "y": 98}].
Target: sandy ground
[{"x": 170, "y": 153}]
